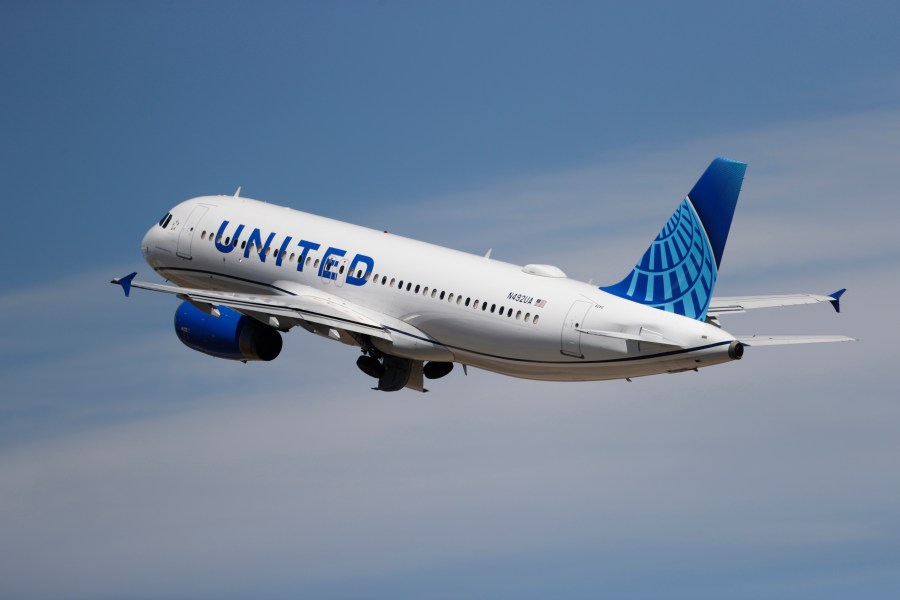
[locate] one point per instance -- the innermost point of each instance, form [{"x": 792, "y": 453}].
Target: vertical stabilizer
[{"x": 678, "y": 271}]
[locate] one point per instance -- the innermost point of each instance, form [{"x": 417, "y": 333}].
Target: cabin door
[{"x": 186, "y": 236}]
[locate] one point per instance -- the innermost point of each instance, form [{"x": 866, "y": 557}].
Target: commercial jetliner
[{"x": 248, "y": 271}]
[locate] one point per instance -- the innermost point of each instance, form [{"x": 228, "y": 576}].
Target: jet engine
[{"x": 231, "y": 335}]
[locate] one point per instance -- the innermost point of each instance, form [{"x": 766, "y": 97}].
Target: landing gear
[
  {"x": 392, "y": 372},
  {"x": 371, "y": 366},
  {"x": 396, "y": 374}
]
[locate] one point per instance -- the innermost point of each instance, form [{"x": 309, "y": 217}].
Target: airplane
[{"x": 248, "y": 271}]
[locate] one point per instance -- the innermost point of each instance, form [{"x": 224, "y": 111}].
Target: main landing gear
[{"x": 393, "y": 373}]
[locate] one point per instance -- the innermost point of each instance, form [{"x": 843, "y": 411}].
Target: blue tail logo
[{"x": 678, "y": 271}]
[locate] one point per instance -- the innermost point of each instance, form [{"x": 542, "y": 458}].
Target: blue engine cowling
[{"x": 230, "y": 335}]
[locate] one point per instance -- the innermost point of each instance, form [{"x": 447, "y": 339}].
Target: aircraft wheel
[{"x": 370, "y": 366}]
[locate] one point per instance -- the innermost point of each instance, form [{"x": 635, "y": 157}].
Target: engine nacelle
[{"x": 231, "y": 335}]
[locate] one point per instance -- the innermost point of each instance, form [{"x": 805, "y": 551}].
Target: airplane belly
[{"x": 565, "y": 368}]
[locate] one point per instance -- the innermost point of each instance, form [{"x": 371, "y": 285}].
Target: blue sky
[{"x": 565, "y": 133}]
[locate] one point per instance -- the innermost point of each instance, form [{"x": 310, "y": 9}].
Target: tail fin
[{"x": 678, "y": 271}]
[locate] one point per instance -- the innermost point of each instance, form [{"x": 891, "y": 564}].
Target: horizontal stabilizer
[
  {"x": 738, "y": 304},
  {"x": 782, "y": 340}
]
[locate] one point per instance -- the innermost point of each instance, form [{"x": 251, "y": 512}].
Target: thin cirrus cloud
[{"x": 816, "y": 191}]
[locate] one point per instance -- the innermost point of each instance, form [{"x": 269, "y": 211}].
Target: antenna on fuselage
[
  {"x": 237, "y": 193},
  {"x": 488, "y": 254}
]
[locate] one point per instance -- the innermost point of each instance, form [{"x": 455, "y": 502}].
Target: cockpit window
[{"x": 164, "y": 222}]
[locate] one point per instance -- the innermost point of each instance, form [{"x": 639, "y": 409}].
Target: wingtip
[
  {"x": 125, "y": 282},
  {"x": 836, "y": 299}
]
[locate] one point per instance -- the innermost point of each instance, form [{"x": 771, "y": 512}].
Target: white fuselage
[{"x": 529, "y": 322}]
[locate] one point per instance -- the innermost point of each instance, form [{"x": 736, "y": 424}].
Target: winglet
[
  {"x": 125, "y": 282},
  {"x": 836, "y": 299}
]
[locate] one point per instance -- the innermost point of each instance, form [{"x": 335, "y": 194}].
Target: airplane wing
[
  {"x": 738, "y": 304},
  {"x": 281, "y": 312}
]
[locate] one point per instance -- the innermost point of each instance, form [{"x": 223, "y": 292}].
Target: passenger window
[
  {"x": 493, "y": 307},
  {"x": 433, "y": 293},
  {"x": 518, "y": 315},
  {"x": 425, "y": 291},
  {"x": 417, "y": 288},
  {"x": 408, "y": 286},
  {"x": 400, "y": 286},
  {"x": 509, "y": 313},
  {"x": 450, "y": 299},
  {"x": 536, "y": 317},
  {"x": 359, "y": 274},
  {"x": 442, "y": 294},
  {"x": 392, "y": 281},
  {"x": 476, "y": 304},
  {"x": 527, "y": 317},
  {"x": 341, "y": 270},
  {"x": 227, "y": 241},
  {"x": 244, "y": 243},
  {"x": 459, "y": 299},
  {"x": 469, "y": 300},
  {"x": 484, "y": 307},
  {"x": 316, "y": 264},
  {"x": 291, "y": 257}
]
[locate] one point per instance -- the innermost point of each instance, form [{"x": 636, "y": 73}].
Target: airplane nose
[{"x": 147, "y": 242}]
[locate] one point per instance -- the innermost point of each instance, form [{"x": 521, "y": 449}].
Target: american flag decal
[{"x": 540, "y": 303}]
